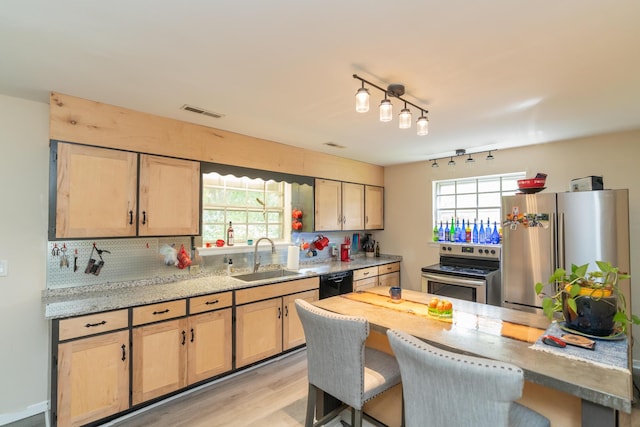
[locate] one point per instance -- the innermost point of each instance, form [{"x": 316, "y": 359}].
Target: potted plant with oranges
[{"x": 591, "y": 302}]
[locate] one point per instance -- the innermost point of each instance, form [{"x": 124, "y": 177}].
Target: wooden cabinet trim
[
  {"x": 364, "y": 273},
  {"x": 160, "y": 311},
  {"x": 389, "y": 268},
  {"x": 210, "y": 302},
  {"x": 247, "y": 295},
  {"x": 91, "y": 324}
]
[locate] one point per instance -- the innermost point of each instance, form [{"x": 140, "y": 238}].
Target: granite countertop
[{"x": 68, "y": 302}]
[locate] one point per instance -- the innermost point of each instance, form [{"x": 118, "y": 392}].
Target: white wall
[
  {"x": 24, "y": 166},
  {"x": 408, "y": 193}
]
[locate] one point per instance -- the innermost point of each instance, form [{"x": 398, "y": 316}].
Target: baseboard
[{"x": 30, "y": 411}]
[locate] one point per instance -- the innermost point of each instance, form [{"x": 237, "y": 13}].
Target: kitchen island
[{"x": 505, "y": 335}]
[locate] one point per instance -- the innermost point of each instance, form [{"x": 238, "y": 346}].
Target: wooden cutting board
[{"x": 460, "y": 319}]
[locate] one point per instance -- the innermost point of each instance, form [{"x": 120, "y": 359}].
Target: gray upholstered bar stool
[
  {"x": 441, "y": 388},
  {"x": 339, "y": 364}
]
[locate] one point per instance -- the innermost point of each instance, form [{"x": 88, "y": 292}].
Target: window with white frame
[
  {"x": 475, "y": 200},
  {"x": 255, "y": 207}
]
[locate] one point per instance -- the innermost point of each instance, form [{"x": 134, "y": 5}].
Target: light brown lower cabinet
[
  {"x": 93, "y": 378},
  {"x": 169, "y": 346},
  {"x": 267, "y": 327},
  {"x": 173, "y": 354},
  {"x": 382, "y": 275},
  {"x": 209, "y": 350}
]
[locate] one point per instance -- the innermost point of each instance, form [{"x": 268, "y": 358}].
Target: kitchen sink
[{"x": 262, "y": 275}]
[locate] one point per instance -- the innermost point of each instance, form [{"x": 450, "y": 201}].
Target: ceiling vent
[
  {"x": 202, "y": 111},
  {"x": 334, "y": 145}
]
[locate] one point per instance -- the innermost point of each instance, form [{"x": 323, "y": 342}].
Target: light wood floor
[{"x": 271, "y": 395}]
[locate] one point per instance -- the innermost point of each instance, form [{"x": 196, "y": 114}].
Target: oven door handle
[{"x": 453, "y": 280}]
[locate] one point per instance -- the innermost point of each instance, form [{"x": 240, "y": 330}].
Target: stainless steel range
[{"x": 467, "y": 272}]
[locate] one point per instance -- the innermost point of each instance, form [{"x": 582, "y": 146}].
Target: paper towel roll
[{"x": 293, "y": 257}]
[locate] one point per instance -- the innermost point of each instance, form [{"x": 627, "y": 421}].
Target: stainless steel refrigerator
[{"x": 544, "y": 231}]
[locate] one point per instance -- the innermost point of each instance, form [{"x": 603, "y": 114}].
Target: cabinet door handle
[
  {"x": 193, "y": 335},
  {"x": 124, "y": 352},
  {"x": 144, "y": 217},
  {"x": 212, "y": 302},
  {"x": 184, "y": 337},
  {"x": 279, "y": 312},
  {"x": 130, "y": 217},
  {"x": 366, "y": 273},
  {"x": 166, "y": 310},
  {"x": 91, "y": 325},
  {"x": 286, "y": 311}
]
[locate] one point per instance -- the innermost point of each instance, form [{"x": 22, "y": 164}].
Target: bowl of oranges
[{"x": 440, "y": 308}]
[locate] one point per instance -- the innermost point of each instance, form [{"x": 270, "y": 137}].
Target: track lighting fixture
[
  {"x": 460, "y": 152},
  {"x": 386, "y": 108}
]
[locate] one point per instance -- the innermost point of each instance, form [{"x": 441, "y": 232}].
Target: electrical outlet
[{"x": 4, "y": 265}]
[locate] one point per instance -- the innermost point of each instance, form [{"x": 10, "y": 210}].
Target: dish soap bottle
[
  {"x": 230, "y": 267},
  {"x": 230, "y": 235}
]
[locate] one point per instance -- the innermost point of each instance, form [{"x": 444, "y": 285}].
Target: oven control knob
[
  {"x": 449, "y": 248},
  {"x": 486, "y": 251},
  {"x": 493, "y": 251}
]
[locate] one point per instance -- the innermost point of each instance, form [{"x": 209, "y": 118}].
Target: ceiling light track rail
[{"x": 461, "y": 152}]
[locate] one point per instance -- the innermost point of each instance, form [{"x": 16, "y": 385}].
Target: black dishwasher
[{"x": 336, "y": 283}]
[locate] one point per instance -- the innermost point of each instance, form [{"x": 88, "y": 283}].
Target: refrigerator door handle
[{"x": 561, "y": 249}]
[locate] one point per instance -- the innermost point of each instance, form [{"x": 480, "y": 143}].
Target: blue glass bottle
[
  {"x": 461, "y": 237},
  {"x": 481, "y": 236},
  {"x": 474, "y": 236},
  {"x": 446, "y": 233},
  {"x": 441, "y": 233},
  {"x": 495, "y": 236}
]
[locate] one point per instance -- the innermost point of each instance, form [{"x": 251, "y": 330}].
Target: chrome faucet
[{"x": 256, "y": 263}]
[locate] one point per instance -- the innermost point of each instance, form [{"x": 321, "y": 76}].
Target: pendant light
[
  {"x": 451, "y": 162},
  {"x": 404, "y": 118},
  {"x": 386, "y": 110},
  {"x": 470, "y": 159},
  {"x": 490, "y": 156},
  {"x": 362, "y": 100},
  {"x": 423, "y": 125}
]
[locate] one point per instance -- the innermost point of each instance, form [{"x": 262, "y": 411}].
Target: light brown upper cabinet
[
  {"x": 169, "y": 196},
  {"x": 96, "y": 192},
  {"x": 97, "y": 188},
  {"x": 338, "y": 205},
  {"x": 373, "y": 207}
]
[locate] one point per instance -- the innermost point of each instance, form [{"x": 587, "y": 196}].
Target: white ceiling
[{"x": 493, "y": 74}]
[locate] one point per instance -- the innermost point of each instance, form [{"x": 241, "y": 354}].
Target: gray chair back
[
  {"x": 442, "y": 388},
  {"x": 335, "y": 352}
]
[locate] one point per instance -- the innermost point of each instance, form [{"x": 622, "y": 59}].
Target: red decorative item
[
  {"x": 184, "y": 260},
  {"x": 296, "y": 224},
  {"x": 531, "y": 183}
]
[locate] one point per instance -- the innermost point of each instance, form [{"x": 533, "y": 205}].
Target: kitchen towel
[{"x": 293, "y": 257}]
